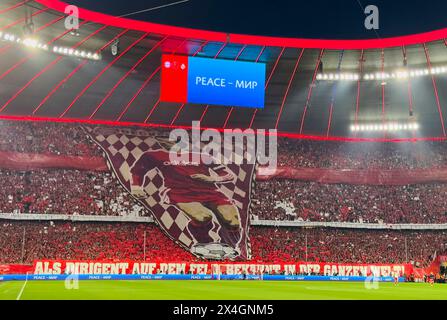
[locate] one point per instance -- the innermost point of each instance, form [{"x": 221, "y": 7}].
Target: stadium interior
[{"x": 362, "y": 153}]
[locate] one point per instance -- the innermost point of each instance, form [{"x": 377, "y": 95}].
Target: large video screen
[{"x": 212, "y": 81}]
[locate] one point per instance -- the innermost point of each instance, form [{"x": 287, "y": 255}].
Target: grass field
[{"x": 218, "y": 290}]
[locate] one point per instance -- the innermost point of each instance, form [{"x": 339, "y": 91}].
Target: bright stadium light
[
  {"x": 70, "y": 52},
  {"x": 33, "y": 43},
  {"x": 30, "y": 42},
  {"x": 27, "y": 42},
  {"x": 381, "y": 76},
  {"x": 387, "y": 127},
  {"x": 338, "y": 76}
]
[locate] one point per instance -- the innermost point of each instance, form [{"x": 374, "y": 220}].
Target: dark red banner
[
  {"x": 29, "y": 161},
  {"x": 15, "y": 269},
  {"x": 356, "y": 176}
]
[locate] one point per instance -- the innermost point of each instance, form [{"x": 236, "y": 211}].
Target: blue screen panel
[{"x": 226, "y": 82}]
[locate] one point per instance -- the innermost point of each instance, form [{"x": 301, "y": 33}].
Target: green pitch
[{"x": 218, "y": 290}]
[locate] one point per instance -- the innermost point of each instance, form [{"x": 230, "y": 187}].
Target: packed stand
[
  {"x": 302, "y": 201},
  {"x": 97, "y": 193},
  {"x": 121, "y": 241},
  {"x": 69, "y": 139},
  {"x": 345, "y": 245},
  {"x": 367, "y": 155},
  {"x": 85, "y": 241},
  {"x": 65, "y": 192},
  {"x": 46, "y": 138}
]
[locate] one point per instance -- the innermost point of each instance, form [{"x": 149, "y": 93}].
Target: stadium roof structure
[{"x": 305, "y": 94}]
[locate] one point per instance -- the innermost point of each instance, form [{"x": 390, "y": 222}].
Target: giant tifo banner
[
  {"x": 203, "y": 207},
  {"x": 302, "y": 268}
]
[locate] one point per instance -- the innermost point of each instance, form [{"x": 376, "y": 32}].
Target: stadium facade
[{"x": 389, "y": 83}]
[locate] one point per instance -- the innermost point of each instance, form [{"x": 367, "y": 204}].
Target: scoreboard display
[{"x": 212, "y": 81}]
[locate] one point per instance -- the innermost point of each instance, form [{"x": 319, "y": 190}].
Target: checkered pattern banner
[{"x": 202, "y": 207}]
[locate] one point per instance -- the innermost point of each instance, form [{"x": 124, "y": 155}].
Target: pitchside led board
[{"x": 212, "y": 81}]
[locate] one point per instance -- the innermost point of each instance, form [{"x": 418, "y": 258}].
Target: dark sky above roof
[{"x": 329, "y": 19}]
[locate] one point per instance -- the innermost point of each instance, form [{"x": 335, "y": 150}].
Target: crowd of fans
[
  {"x": 75, "y": 192},
  {"x": 369, "y": 155},
  {"x": 46, "y": 138},
  {"x": 65, "y": 192},
  {"x": 69, "y": 139},
  {"x": 24, "y": 242},
  {"x": 345, "y": 245},
  {"x": 97, "y": 193},
  {"x": 303, "y": 201},
  {"x": 85, "y": 241}
]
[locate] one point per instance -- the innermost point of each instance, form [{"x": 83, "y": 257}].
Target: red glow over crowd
[
  {"x": 121, "y": 241},
  {"x": 73, "y": 192}
]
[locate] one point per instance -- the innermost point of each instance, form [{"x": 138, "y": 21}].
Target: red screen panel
[{"x": 174, "y": 78}]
